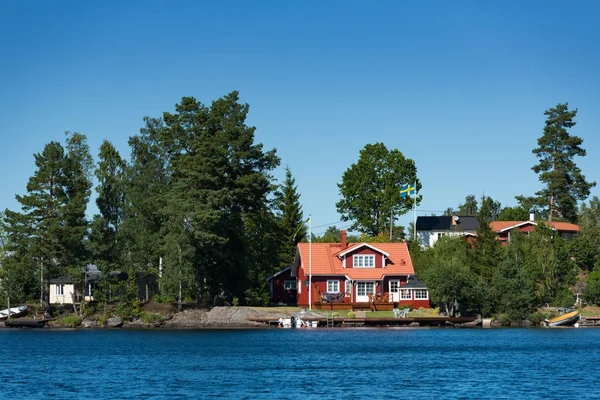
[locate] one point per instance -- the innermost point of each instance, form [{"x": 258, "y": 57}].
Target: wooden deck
[{"x": 381, "y": 322}]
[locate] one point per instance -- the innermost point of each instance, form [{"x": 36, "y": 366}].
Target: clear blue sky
[{"x": 460, "y": 87}]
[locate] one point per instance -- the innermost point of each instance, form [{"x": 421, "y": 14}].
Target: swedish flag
[{"x": 407, "y": 190}]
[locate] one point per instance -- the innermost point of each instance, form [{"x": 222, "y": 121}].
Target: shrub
[
  {"x": 70, "y": 320},
  {"x": 350, "y": 314},
  {"x": 150, "y": 318}
]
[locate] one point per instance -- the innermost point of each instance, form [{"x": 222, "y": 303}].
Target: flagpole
[
  {"x": 309, "y": 262},
  {"x": 415, "y": 213}
]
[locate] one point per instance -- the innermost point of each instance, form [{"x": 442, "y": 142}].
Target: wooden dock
[{"x": 381, "y": 322}]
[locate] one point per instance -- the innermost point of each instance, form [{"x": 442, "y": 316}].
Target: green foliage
[
  {"x": 350, "y": 314},
  {"x": 591, "y": 293},
  {"x": 149, "y": 318},
  {"x": 290, "y": 220},
  {"x": 370, "y": 189},
  {"x": 69, "y": 320},
  {"x": 564, "y": 184}
]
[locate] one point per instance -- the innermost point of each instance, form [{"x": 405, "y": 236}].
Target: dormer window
[{"x": 363, "y": 261}]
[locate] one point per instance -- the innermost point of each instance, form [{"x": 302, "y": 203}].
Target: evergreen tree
[
  {"x": 564, "y": 184},
  {"x": 486, "y": 249},
  {"x": 291, "y": 221}
]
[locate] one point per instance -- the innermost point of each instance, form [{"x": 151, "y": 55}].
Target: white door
[
  {"x": 395, "y": 291},
  {"x": 363, "y": 290}
]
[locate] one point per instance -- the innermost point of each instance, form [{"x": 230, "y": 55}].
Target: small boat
[
  {"x": 564, "y": 320},
  {"x": 14, "y": 312}
]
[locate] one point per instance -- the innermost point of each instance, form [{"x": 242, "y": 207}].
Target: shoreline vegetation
[{"x": 165, "y": 316}]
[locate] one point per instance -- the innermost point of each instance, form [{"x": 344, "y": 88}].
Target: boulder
[
  {"x": 89, "y": 323},
  {"x": 114, "y": 322}
]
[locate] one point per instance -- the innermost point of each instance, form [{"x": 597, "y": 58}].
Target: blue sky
[{"x": 460, "y": 87}]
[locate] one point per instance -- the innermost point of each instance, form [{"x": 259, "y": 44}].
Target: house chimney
[
  {"x": 343, "y": 234},
  {"x": 532, "y": 215}
]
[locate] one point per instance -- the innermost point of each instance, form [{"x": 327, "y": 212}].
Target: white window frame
[
  {"x": 290, "y": 284},
  {"x": 404, "y": 293},
  {"x": 363, "y": 261},
  {"x": 420, "y": 292},
  {"x": 394, "y": 286},
  {"x": 366, "y": 286},
  {"x": 333, "y": 286},
  {"x": 60, "y": 289}
]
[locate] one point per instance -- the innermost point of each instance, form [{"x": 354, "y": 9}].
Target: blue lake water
[{"x": 300, "y": 364}]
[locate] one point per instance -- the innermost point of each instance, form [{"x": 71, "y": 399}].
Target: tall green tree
[
  {"x": 486, "y": 249},
  {"x": 564, "y": 183},
  {"x": 469, "y": 207},
  {"x": 218, "y": 175},
  {"x": 370, "y": 189},
  {"x": 292, "y": 224},
  {"x": 35, "y": 234},
  {"x": 585, "y": 246}
]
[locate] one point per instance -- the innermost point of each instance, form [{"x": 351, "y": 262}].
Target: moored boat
[
  {"x": 564, "y": 320},
  {"x": 13, "y": 311}
]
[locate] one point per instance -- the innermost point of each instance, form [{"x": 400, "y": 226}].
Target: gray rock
[
  {"x": 114, "y": 322},
  {"x": 414, "y": 324},
  {"x": 525, "y": 323},
  {"x": 89, "y": 323}
]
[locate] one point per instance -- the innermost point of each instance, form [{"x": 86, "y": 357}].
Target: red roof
[
  {"x": 499, "y": 226},
  {"x": 324, "y": 260}
]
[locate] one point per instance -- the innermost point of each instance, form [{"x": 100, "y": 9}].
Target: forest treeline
[{"x": 196, "y": 204}]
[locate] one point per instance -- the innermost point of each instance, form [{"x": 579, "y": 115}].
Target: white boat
[
  {"x": 14, "y": 312},
  {"x": 296, "y": 323}
]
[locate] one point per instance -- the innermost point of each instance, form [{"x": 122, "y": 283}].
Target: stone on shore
[{"x": 114, "y": 322}]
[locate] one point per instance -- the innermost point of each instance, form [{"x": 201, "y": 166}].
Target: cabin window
[
  {"x": 289, "y": 285},
  {"x": 363, "y": 261},
  {"x": 60, "y": 290},
  {"x": 405, "y": 294},
  {"x": 333, "y": 286},
  {"x": 421, "y": 294}
]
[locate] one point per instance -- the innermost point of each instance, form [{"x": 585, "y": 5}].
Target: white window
[
  {"x": 421, "y": 294},
  {"x": 366, "y": 288},
  {"x": 289, "y": 285},
  {"x": 348, "y": 287},
  {"x": 405, "y": 294},
  {"x": 60, "y": 290},
  {"x": 363, "y": 261},
  {"x": 394, "y": 286},
  {"x": 333, "y": 286}
]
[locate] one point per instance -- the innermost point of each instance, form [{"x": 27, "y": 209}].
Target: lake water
[{"x": 300, "y": 363}]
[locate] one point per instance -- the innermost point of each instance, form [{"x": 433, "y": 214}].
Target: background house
[
  {"x": 431, "y": 228},
  {"x": 283, "y": 288}
]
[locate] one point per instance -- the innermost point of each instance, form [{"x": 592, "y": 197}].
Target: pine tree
[
  {"x": 564, "y": 184},
  {"x": 291, "y": 221}
]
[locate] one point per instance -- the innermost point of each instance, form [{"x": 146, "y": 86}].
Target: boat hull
[
  {"x": 565, "y": 319},
  {"x": 14, "y": 312}
]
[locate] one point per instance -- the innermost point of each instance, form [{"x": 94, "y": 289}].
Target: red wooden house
[
  {"x": 503, "y": 228},
  {"x": 358, "y": 275}
]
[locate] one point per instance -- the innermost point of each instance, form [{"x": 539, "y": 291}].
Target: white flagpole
[
  {"x": 309, "y": 262},
  {"x": 415, "y": 213}
]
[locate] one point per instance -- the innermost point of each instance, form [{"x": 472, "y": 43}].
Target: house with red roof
[
  {"x": 357, "y": 274},
  {"x": 503, "y": 228}
]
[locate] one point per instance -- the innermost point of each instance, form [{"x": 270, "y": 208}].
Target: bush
[
  {"x": 537, "y": 317},
  {"x": 150, "y": 318},
  {"x": 163, "y": 298},
  {"x": 350, "y": 314},
  {"x": 70, "y": 320}
]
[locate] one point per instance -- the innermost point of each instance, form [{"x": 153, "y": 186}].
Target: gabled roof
[
  {"x": 322, "y": 259},
  {"x": 357, "y": 246},
  {"x": 503, "y": 226},
  {"x": 444, "y": 223},
  {"x": 413, "y": 283},
  {"x": 278, "y": 273}
]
